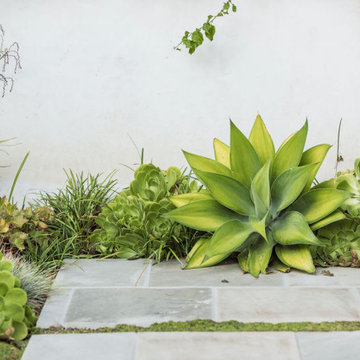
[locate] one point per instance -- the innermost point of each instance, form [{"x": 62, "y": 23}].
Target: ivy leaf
[
  {"x": 210, "y": 17},
  {"x": 234, "y": 8},
  {"x": 220, "y": 14},
  {"x": 226, "y": 6},
  {"x": 197, "y": 37},
  {"x": 209, "y": 31}
]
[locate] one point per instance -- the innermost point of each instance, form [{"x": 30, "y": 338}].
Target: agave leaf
[
  {"x": 288, "y": 186},
  {"x": 259, "y": 257},
  {"x": 228, "y": 238},
  {"x": 207, "y": 215},
  {"x": 316, "y": 154},
  {"x": 197, "y": 259},
  {"x": 261, "y": 141},
  {"x": 259, "y": 226},
  {"x": 228, "y": 192},
  {"x": 243, "y": 261},
  {"x": 325, "y": 184},
  {"x": 317, "y": 204},
  {"x": 244, "y": 160},
  {"x": 278, "y": 265},
  {"x": 296, "y": 256},
  {"x": 292, "y": 229},
  {"x": 184, "y": 199},
  {"x": 200, "y": 242},
  {"x": 222, "y": 152},
  {"x": 260, "y": 190},
  {"x": 206, "y": 164},
  {"x": 335, "y": 216},
  {"x": 290, "y": 152}
]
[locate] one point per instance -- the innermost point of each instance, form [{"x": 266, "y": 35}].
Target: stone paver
[
  {"x": 108, "y": 307},
  {"x": 102, "y": 273},
  {"x": 329, "y": 346},
  {"x": 342, "y": 277},
  {"x": 81, "y": 347},
  {"x": 169, "y": 274},
  {"x": 215, "y": 346},
  {"x": 54, "y": 310},
  {"x": 287, "y": 304}
]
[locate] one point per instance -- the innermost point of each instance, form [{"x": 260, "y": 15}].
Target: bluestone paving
[
  {"x": 81, "y": 347},
  {"x": 102, "y": 273},
  {"x": 169, "y": 274},
  {"x": 287, "y": 304},
  {"x": 329, "y": 346},
  {"x": 215, "y": 346},
  {"x": 92, "y": 294},
  {"x": 107, "y": 307}
]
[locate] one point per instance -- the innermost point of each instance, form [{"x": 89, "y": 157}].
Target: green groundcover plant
[
  {"x": 15, "y": 316},
  {"x": 132, "y": 225},
  {"x": 259, "y": 202},
  {"x": 342, "y": 238}
]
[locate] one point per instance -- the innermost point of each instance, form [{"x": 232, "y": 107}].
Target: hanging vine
[
  {"x": 8, "y": 55},
  {"x": 192, "y": 40}
]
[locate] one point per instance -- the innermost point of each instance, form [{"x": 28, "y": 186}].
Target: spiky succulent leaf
[
  {"x": 292, "y": 229},
  {"x": 184, "y": 199},
  {"x": 228, "y": 192},
  {"x": 261, "y": 141},
  {"x": 207, "y": 215},
  {"x": 222, "y": 152},
  {"x": 314, "y": 155},
  {"x": 260, "y": 190},
  {"x": 205, "y": 164},
  {"x": 244, "y": 160},
  {"x": 290, "y": 152},
  {"x": 288, "y": 186},
  {"x": 259, "y": 257},
  {"x": 296, "y": 256},
  {"x": 319, "y": 203}
]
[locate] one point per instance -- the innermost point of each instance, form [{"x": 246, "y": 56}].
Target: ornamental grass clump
[{"x": 258, "y": 201}]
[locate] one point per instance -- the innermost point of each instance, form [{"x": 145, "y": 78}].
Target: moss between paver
[
  {"x": 209, "y": 325},
  {"x": 12, "y": 351}
]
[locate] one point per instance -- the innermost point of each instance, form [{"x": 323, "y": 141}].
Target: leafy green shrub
[
  {"x": 15, "y": 316},
  {"x": 132, "y": 225},
  {"x": 75, "y": 208},
  {"x": 21, "y": 228},
  {"x": 35, "y": 281},
  {"x": 260, "y": 202}
]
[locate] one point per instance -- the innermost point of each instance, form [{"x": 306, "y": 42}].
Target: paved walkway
[{"x": 93, "y": 293}]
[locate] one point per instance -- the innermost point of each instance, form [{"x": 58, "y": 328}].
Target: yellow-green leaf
[
  {"x": 206, "y": 164},
  {"x": 296, "y": 256},
  {"x": 206, "y": 215},
  {"x": 317, "y": 204},
  {"x": 200, "y": 242},
  {"x": 288, "y": 186},
  {"x": 335, "y": 216},
  {"x": 228, "y": 192},
  {"x": 292, "y": 229},
  {"x": 222, "y": 152},
  {"x": 243, "y": 261},
  {"x": 290, "y": 152},
  {"x": 262, "y": 141},
  {"x": 184, "y": 199},
  {"x": 316, "y": 154},
  {"x": 259, "y": 257},
  {"x": 197, "y": 259},
  {"x": 244, "y": 160},
  {"x": 260, "y": 190},
  {"x": 228, "y": 238}
]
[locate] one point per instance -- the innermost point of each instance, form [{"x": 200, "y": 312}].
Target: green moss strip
[{"x": 211, "y": 326}]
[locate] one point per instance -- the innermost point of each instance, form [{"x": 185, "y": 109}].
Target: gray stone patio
[{"x": 96, "y": 293}]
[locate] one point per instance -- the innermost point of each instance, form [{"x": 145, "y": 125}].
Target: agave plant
[{"x": 258, "y": 202}]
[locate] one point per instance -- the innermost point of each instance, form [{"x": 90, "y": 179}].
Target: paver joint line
[{"x": 298, "y": 346}]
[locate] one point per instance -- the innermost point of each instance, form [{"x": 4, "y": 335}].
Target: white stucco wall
[{"x": 95, "y": 72}]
